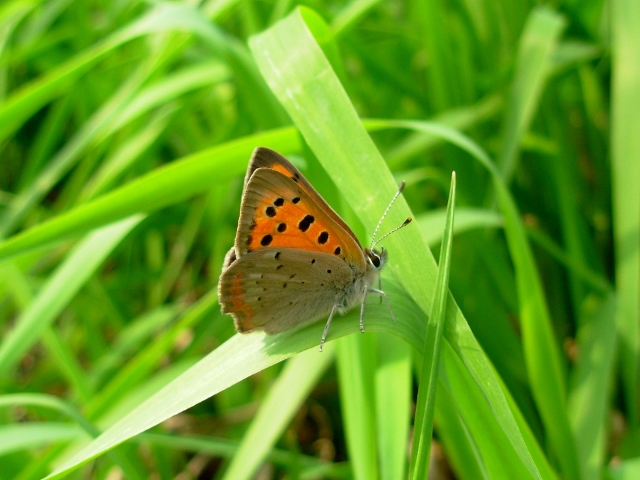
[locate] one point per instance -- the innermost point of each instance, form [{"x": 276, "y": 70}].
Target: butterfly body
[{"x": 294, "y": 260}]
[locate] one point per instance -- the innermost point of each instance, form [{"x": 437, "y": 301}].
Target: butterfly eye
[{"x": 377, "y": 259}]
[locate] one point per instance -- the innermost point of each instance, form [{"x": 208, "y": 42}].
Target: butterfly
[{"x": 294, "y": 260}]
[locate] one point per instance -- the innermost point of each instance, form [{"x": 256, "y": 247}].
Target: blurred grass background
[{"x": 145, "y": 114}]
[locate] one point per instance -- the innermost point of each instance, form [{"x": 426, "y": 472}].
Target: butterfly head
[{"x": 376, "y": 258}]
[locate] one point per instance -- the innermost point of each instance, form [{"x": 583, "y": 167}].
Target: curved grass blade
[
  {"x": 173, "y": 183},
  {"x": 235, "y": 360},
  {"x": 302, "y": 79},
  {"x": 356, "y": 368},
  {"x": 544, "y": 362}
]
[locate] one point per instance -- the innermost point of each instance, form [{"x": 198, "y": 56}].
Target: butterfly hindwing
[{"x": 280, "y": 288}]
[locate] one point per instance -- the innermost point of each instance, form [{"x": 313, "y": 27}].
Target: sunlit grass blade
[
  {"x": 544, "y": 362},
  {"x": 425, "y": 405},
  {"x": 171, "y": 184},
  {"x": 302, "y": 79},
  {"x": 393, "y": 383},
  {"x": 459, "y": 118},
  {"x": 356, "y": 368},
  {"x": 51, "y": 403},
  {"x": 235, "y": 360},
  {"x": 35, "y": 435}
]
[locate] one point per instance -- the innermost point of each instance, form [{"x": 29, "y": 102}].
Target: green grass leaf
[
  {"x": 162, "y": 187},
  {"x": 425, "y": 405},
  {"x": 236, "y": 359},
  {"x": 625, "y": 157},
  {"x": 302, "y": 79}
]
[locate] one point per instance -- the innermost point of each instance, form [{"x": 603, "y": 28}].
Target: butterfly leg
[
  {"x": 326, "y": 327},
  {"x": 382, "y": 294},
  {"x": 362, "y": 315}
]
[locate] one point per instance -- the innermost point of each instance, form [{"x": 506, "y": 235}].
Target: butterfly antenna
[
  {"x": 404, "y": 224},
  {"x": 374, "y": 242}
]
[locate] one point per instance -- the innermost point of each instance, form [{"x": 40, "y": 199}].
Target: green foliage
[{"x": 125, "y": 131}]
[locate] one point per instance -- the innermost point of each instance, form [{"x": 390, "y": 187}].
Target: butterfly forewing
[
  {"x": 266, "y": 158},
  {"x": 280, "y": 288},
  {"x": 277, "y": 212}
]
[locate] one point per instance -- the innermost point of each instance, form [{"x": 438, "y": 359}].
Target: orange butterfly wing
[
  {"x": 280, "y": 208},
  {"x": 266, "y": 158}
]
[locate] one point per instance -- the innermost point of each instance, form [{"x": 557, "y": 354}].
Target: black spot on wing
[{"x": 306, "y": 222}]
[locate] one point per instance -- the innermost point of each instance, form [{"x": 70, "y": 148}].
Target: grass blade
[
  {"x": 425, "y": 405},
  {"x": 625, "y": 156},
  {"x": 303, "y": 81},
  {"x": 356, "y": 370},
  {"x": 393, "y": 382},
  {"x": 171, "y": 184},
  {"x": 536, "y": 48}
]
